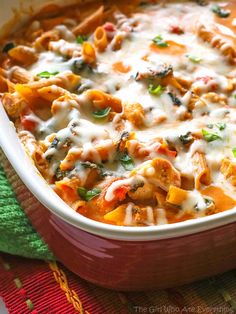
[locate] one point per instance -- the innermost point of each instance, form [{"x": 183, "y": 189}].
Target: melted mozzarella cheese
[{"x": 203, "y": 71}]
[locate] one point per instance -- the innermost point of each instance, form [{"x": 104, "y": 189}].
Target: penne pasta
[
  {"x": 89, "y": 24},
  {"x": 100, "y": 39},
  {"x": 23, "y": 55},
  {"x": 228, "y": 168},
  {"x": 19, "y": 75},
  {"x": 128, "y": 110},
  {"x": 142, "y": 193},
  {"x": 34, "y": 151},
  {"x": 3, "y": 84},
  {"x": 159, "y": 172},
  {"x": 52, "y": 92},
  {"x": 218, "y": 40},
  {"x": 135, "y": 114},
  {"x": 68, "y": 80},
  {"x": 67, "y": 189},
  {"x": 88, "y": 53},
  {"x": 13, "y": 104},
  {"x": 42, "y": 42},
  {"x": 117, "y": 41},
  {"x": 101, "y": 100},
  {"x": 176, "y": 196},
  {"x": 201, "y": 170}
]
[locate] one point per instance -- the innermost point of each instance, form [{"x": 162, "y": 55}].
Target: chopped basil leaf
[
  {"x": 136, "y": 186},
  {"x": 8, "y": 47},
  {"x": 160, "y": 42},
  {"x": 186, "y": 138},
  {"x": 208, "y": 203},
  {"x": 221, "y": 126},
  {"x": 49, "y": 158},
  {"x": 60, "y": 174},
  {"x": 124, "y": 136},
  {"x": 210, "y": 126},
  {"x": 100, "y": 114},
  {"x": 99, "y": 167},
  {"x": 202, "y": 3},
  {"x": 143, "y": 3},
  {"x": 67, "y": 142},
  {"x": 84, "y": 85},
  {"x": 157, "y": 91},
  {"x": 54, "y": 143},
  {"x": 194, "y": 59},
  {"x": 210, "y": 136},
  {"x": 87, "y": 195},
  {"x": 82, "y": 192},
  {"x": 234, "y": 152},
  {"x": 127, "y": 162},
  {"x": 160, "y": 71},
  {"x": 78, "y": 66},
  {"x": 92, "y": 193},
  {"x": 90, "y": 165},
  {"x": 234, "y": 96},
  {"x": 121, "y": 143},
  {"x": 175, "y": 99},
  {"x": 81, "y": 38},
  {"x": 46, "y": 74},
  {"x": 220, "y": 11}
]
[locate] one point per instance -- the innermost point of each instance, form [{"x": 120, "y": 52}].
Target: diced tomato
[
  {"x": 109, "y": 27},
  {"x": 28, "y": 124},
  {"x": 102, "y": 204},
  {"x": 175, "y": 29},
  {"x": 120, "y": 67},
  {"x": 205, "y": 79},
  {"x": 163, "y": 149},
  {"x": 214, "y": 86},
  {"x": 127, "y": 29},
  {"x": 172, "y": 153},
  {"x": 120, "y": 193}
]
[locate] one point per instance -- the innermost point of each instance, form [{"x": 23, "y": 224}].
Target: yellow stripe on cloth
[{"x": 71, "y": 295}]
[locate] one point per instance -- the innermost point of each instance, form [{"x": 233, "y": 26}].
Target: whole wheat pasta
[
  {"x": 201, "y": 170},
  {"x": 128, "y": 111},
  {"x": 90, "y": 23},
  {"x": 101, "y": 100},
  {"x": 100, "y": 39},
  {"x": 34, "y": 150},
  {"x": 225, "y": 44},
  {"x": 23, "y": 54},
  {"x": 88, "y": 53},
  {"x": 228, "y": 168}
]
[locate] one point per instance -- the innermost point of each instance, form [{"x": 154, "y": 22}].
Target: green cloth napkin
[{"x": 17, "y": 236}]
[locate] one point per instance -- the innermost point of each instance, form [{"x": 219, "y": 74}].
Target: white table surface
[{"x": 3, "y": 309}]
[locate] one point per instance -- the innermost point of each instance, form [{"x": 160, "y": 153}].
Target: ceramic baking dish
[{"x": 116, "y": 257}]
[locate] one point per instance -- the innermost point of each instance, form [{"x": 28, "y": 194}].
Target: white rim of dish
[{"x": 24, "y": 167}]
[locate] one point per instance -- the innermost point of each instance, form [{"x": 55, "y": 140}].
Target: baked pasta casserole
[{"x": 128, "y": 108}]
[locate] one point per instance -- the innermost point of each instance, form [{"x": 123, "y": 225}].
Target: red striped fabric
[
  {"x": 41, "y": 293},
  {"x": 37, "y": 287}
]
